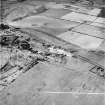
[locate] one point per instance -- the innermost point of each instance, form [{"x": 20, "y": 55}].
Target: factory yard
[{"x": 52, "y": 54}]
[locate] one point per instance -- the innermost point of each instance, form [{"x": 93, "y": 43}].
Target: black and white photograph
[{"x": 52, "y": 52}]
